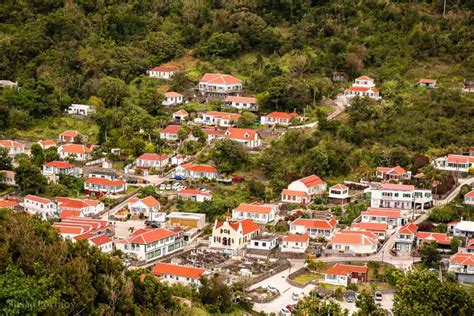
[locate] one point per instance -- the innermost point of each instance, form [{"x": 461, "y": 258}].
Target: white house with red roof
[
  {"x": 48, "y": 143},
  {"x": 14, "y": 148},
  {"x": 469, "y": 198},
  {"x": 406, "y": 237},
  {"x": 146, "y": 206},
  {"x": 79, "y": 207},
  {"x": 344, "y": 274},
  {"x": 104, "y": 186},
  {"x": 301, "y": 191},
  {"x": 258, "y": 212},
  {"x": 455, "y": 163},
  {"x": 392, "y": 173},
  {"x": 315, "y": 228},
  {"x": 442, "y": 240},
  {"x": 215, "y": 118},
  {"x": 278, "y": 118},
  {"x": 75, "y": 151},
  {"x": 295, "y": 197},
  {"x": 353, "y": 243},
  {"x": 72, "y": 227},
  {"x": 162, "y": 72},
  {"x": 46, "y": 208},
  {"x": 294, "y": 243},
  {"x": 55, "y": 168},
  {"x": 362, "y": 87},
  {"x": 249, "y": 138},
  {"x": 102, "y": 241},
  {"x": 462, "y": 264},
  {"x": 219, "y": 85},
  {"x": 152, "y": 160},
  {"x": 194, "y": 195},
  {"x": 195, "y": 171},
  {"x": 468, "y": 247},
  {"x": 9, "y": 204},
  {"x": 69, "y": 136},
  {"x": 173, "y": 98},
  {"x": 173, "y": 273},
  {"x": 379, "y": 229},
  {"x": 427, "y": 83},
  {"x": 241, "y": 103},
  {"x": 464, "y": 229},
  {"x": 7, "y": 177},
  {"x": 399, "y": 196},
  {"x": 339, "y": 194},
  {"x": 170, "y": 132},
  {"x": 392, "y": 217},
  {"x": 151, "y": 244},
  {"x": 180, "y": 115},
  {"x": 233, "y": 235}
]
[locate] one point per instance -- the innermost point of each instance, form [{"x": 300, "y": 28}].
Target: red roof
[
  {"x": 164, "y": 69},
  {"x": 352, "y": 238},
  {"x": 172, "y": 269},
  {"x": 199, "y": 168},
  {"x": 311, "y": 181},
  {"x": 465, "y": 259},
  {"x": 59, "y": 164},
  {"x": 398, "y": 187},
  {"x": 362, "y": 89},
  {"x": 345, "y": 269},
  {"x": 68, "y": 203},
  {"x": 282, "y": 115},
  {"x": 392, "y": 170},
  {"x": 219, "y": 79},
  {"x": 181, "y": 113},
  {"x": 8, "y": 203},
  {"x": 460, "y": 159},
  {"x": 192, "y": 192},
  {"x": 106, "y": 182},
  {"x": 296, "y": 238},
  {"x": 386, "y": 212},
  {"x": 240, "y": 133},
  {"x": 223, "y": 115},
  {"x": 47, "y": 142},
  {"x": 315, "y": 223},
  {"x": 150, "y": 236},
  {"x": 171, "y": 129},
  {"x": 408, "y": 229},
  {"x": 339, "y": 187},
  {"x": 100, "y": 240},
  {"x": 10, "y": 144},
  {"x": 154, "y": 157},
  {"x": 255, "y": 208},
  {"x": 172, "y": 94},
  {"x": 248, "y": 226},
  {"x": 69, "y": 213},
  {"x": 427, "y": 80},
  {"x": 240, "y": 99},
  {"x": 293, "y": 193},
  {"x": 366, "y": 233},
  {"x": 69, "y": 133},
  {"x": 69, "y": 229},
  {"x": 470, "y": 194},
  {"x": 365, "y": 78},
  {"x": 375, "y": 227},
  {"x": 76, "y": 149},
  {"x": 440, "y": 238},
  {"x": 148, "y": 201},
  {"x": 37, "y": 199}
]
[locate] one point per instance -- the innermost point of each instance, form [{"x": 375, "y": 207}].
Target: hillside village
[{"x": 205, "y": 173}]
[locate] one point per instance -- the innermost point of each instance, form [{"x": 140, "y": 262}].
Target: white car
[
  {"x": 272, "y": 289},
  {"x": 285, "y": 312},
  {"x": 295, "y": 296}
]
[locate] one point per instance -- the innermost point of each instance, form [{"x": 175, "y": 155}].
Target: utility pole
[{"x": 444, "y": 8}]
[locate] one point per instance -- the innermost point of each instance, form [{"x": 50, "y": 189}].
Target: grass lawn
[
  {"x": 371, "y": 285},
  {"x": 306, "y": 277}
]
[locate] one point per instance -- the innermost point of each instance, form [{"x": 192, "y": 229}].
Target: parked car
[
  {"x": 179, "y": 178},
  {"x": 350, "y": 296},
  {"x": 272, "y": 289},
  {"x": 295, "y": 296},
  {"x": 285, "y": 312},
  {"x": 378, "y": 296},
  {"x": 290, "y": 307}
]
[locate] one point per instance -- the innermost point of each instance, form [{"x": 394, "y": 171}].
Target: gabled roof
[
  {"x": 199, "y": 168},
  {"x": 171, "y": 129},
  {"x": 339, "y": 187},
  {"x": 296, "y": 238},
  {"x": 59, "y": 164},
  {"x": 105, "y": 182},
  {"x": 148, "y": 201},
  {"x": 172, "y": 94},
  {"x": 422, "y": 80},
  {"x": 69, "y": 213},
  {"x": 149, "y": 236},
  {"x": 362, "y": 89},
  {"x": 154, "y": 157},
  {"x": 240, "y": 99},
  {"x": 248, "y": 226},
  {"x": 345, "y": 269},
  {"x": 352, "y": 238},
  {"x": 469, "y": 194},
  {"x": 100, "y": 240},
  {"x": 47, "y": 142},
  {"x": 37, "y": 199},
  {"x": 315, "y": 223},
  {"x": 240, "y": 133},
  {"x": 282, "y": 115},
  {"x": 10, "y": 144},
  {"x": 172, "y": 269},
  {"x": 219, "y": 79},
  {"x": 398, "y": 187},
  {"x": 440, "y": 238},
  {"x": 8, "y": 203},
  {"x": 365, "y": 78},
  {"x": 181, "y": 113},
  {"x": 293, "y": 193},
  {"x": 75, "y": 149},
  {"x": 366, "y": 233},
  {"x": 69, "y": 133},
  {"x": 375, "y": 227},
  {"x": 192, "y": 192},
  {"x": 256, "y": 208},
  {"x": 311, "y": 181},
  {"x": 392, "y": 170},
  {"x": 460, "y": 159},
  {"x": 407, "y": 229},
  {"x": 386, "y": 212},
  {"x": 68, "y": 203},
  {"x": 466, "y": 259},
  {"x": 223, "y": 115},
  {"x": 164, "y": 69}
]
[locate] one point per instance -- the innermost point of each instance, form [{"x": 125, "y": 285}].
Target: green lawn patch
[{"x": 307, "y": 277}]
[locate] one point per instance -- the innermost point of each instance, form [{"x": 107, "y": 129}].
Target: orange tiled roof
[
  {"x": 293, "y": 193},
  {"x": 76, "y": 149},
  {"x": 352, "y": 238},
  {"x": 59, "y": 164},
  {"x": 410, "y": 228},
  {"x": 376, "y": 227},
  {"x": 296, "y": 238},
  {"x": 149, "y": 236},
  {"x": 315, "y": 223},
  {"x": 255, "y": 208},
  {"x": 390, "y": 213},
  {"x": 240, "y": 133},
  {"x": 440, "y": 238},
  {"x": 240, "y": 99},
  {"x": 282, "y": 115},
  {"x": 37, "y": 199},
  {"x": 248, "y": 226},
  {"x": 10, "y": 144},
  {"x": 164, "y": 69},
  {"x": 199, "y": 168},
  {"x": 466, "y": 259},
  {"x": 154, "y": 157},
  {"x": 345, "y": 269},
  {"x": 105, "y": 182},
  {"x": 311, "y": 181},
  {"x": 172, "y": 269},
  {"x": 219, "y": 79}
]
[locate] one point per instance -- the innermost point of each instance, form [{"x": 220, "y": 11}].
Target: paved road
[{"x": 117, "y": 208}]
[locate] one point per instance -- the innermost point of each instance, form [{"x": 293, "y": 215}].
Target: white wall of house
[
  {"x": 294, "y": 246},
  {"x": 357, "y": 249},
  {"x": 256, "y": 217}
]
